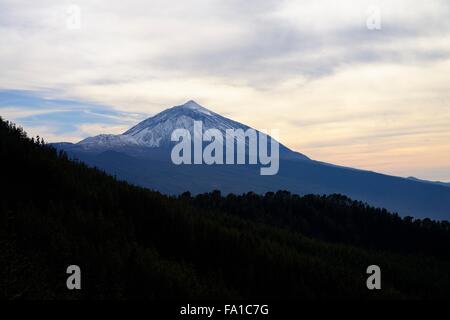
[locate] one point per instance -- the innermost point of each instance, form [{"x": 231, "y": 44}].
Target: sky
[{"x": 363, "y": 83}]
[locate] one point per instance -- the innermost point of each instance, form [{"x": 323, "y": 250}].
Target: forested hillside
[{"x": 133, "y": 243}]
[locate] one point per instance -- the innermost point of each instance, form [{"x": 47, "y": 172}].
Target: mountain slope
[
  {"x": 132, "y": 243},
  {"x": 147, "y": 148},
  {"x": 440, "y": 183}
]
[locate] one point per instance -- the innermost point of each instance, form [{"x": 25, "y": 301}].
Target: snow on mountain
[
  {"x": 157, "y": 130},
  {"x": 107, "y": 140}
]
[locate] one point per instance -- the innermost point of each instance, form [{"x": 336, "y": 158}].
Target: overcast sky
[{"x": 357, "y": 83}]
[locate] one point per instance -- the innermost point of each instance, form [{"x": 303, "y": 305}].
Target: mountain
[
  {"x": 134, "y": 243},
  {"x": 141, "y": 155},
  {"x": 155, "y": 132},
  {"x": 440, "y": 183}
]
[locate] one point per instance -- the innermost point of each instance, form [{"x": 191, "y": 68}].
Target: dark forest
[{"x": 134, "y": 243}]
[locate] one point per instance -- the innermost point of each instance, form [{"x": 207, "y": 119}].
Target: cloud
[
  {"x": 61, "y": 118},
  {"x": 157, "y": 40}
]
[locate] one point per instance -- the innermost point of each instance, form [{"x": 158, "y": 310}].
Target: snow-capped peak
[
  {"x": 192, "y": 105},
  {"x": 156, "y": 131}
]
